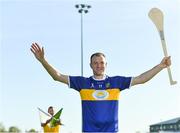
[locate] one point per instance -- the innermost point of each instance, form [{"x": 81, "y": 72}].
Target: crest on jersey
[
  {"x": 100, "y": 94},
  {"x": 108, "y": 85}
]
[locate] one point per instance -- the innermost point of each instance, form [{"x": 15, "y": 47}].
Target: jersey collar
[{"x": 104, "y": 77}]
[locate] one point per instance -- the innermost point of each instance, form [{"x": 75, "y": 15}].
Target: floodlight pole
[
  {"x": 82, "y": 8},
  {"x": 82, "y": 52}
]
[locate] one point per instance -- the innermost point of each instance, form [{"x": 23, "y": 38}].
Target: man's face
[
  {"x": 51, "y": 111},
  {"x": 98, "y": 65}
]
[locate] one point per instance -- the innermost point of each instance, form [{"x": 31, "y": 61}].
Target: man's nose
[{"x": 98, "y": 65}]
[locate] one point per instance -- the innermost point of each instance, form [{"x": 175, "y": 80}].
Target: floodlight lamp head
[
  {"x": 82, "y": 6},
  {"x": 88, "y": 6},
  {"x": 80, "y": 11},
  {"x": 86, "y": 11},
  {"x": 77, "y": 6}
]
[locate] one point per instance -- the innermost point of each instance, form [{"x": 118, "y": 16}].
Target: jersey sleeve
[
  {"x": 123, "y": 82},
  {"x": 77, "y": 82}
]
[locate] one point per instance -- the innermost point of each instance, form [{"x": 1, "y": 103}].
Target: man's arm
[
  {"x": 58, "y": 122},
  {"x": 146, "y": 76},
  {"x": 39, "y": 54},
  {"x": 44, "y": 124}
]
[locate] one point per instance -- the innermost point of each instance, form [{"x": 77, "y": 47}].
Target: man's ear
[{"x": 90, "y": 65}]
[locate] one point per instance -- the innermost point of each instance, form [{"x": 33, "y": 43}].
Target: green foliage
[
  {"x": 2, "y": 128},
  {"x": 14, "y": 129},
  {"x": 32, "y": 131}
]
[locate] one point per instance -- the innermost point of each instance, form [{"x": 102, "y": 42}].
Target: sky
[{"x": 119, "y": 28}]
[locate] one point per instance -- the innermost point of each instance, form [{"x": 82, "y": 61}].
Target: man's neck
[{"x": 99, "y": 77}]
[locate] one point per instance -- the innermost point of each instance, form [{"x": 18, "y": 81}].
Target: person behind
[
  {"x": 100, "y": 92},
  {"x": 46, "y": 126}
]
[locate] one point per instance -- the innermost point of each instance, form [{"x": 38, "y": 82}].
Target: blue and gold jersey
[{"x": 99, "y": 101}]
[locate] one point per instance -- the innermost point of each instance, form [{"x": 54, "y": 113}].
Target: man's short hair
[
  {"x": 97, "y": 54},
  {"x": 50, "y": 107}
]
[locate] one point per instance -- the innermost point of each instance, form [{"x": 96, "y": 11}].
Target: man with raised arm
[{"x": 100, "y": 92}]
